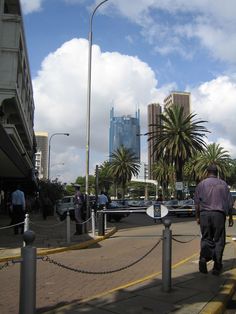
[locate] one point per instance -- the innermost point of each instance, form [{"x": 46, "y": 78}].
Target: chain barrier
[
  {"x": 48, "y": 226},
  {"x": 184, "y": 235},
  {"x": 50, "y": 260},
  {"x": 7, "y": 227},
  {"x": 84, "y": 222},
  {"x": 7, "y": 264}
]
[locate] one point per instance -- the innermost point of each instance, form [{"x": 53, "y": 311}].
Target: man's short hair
[{"x": 212, "y": 169}]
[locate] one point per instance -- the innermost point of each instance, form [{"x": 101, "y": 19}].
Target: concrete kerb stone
[
  {"x": 218, "y": 304},
  {"x": 79, "y": 246}
]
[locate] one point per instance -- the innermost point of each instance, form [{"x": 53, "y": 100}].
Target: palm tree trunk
[{"x": 179, "y": 177}]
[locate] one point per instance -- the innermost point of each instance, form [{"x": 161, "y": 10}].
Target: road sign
[
  {"x": 157, "y": 211},
  {"x": 179, "y": 186}
]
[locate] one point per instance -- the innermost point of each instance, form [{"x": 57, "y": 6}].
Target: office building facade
[
  {"x": 17, "y": 138},
  {"x": 125, "y": 131},
  {"x": 154, "y": 118},
  {"x": 41, "y": 160},
  {"x": 179, "y": 98}
]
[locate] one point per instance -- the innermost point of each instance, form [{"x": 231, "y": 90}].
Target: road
[{"x": 137, "y": 234}]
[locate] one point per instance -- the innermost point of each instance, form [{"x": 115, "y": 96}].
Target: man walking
[
  {"x": 213, "y": 202},
  {"x": 18, "y": 209}
]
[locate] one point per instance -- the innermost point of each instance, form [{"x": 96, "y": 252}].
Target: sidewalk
[
  {"x": 51, "y": 237},
  {"x": 191, "y": 292}
]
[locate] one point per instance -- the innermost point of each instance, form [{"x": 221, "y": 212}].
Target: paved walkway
[{"x": 190, "y": 291}]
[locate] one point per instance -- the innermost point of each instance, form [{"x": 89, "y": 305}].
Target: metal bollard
[
  {"x": 105, "y": 221},
  {"x": 28, "y": 275},
  {"x": 68, "y": 227},
  {"x": 26, "y": 222},
  {"x": 166, "y": 256},
  {"x": 105, "y": 218},
  {"x": 93, "y": 223},
  {"x": 26, "y": 225},
  {"x": 101, "y": 230}
]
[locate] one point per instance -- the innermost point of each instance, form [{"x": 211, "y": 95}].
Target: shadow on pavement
[{"x": 190, "y": 292}]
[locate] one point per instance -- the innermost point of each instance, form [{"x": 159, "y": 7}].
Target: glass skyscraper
[{"x": 125, "y": 131}]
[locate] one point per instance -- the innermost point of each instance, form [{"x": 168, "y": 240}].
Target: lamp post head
[{"x": 67, "y": 134}]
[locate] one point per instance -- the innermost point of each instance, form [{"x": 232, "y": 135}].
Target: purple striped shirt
[{"x": 213, "y": 194}]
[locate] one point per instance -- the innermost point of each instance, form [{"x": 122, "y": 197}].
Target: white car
[{"x": 65, "y": 204}]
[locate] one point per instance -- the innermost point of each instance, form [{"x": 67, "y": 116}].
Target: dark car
[
  {"x": 117, "y": 205},
  {"x": 179, "y": 208}
]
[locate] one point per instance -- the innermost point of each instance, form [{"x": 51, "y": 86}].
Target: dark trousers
[
  {"x": 18, "y": 216},
  {"x": 212, "y": 224}
]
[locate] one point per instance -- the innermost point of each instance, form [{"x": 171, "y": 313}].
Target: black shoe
[
  {"x": 203, "y": 266},
  {"x": 217, "y": 268}
]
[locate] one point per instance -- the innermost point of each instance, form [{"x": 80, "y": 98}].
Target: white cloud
[
  {"x": 214, "y": 101},
  {"x": 212, "y": 23},
  {"x": 29, "y": 6},
  {"x": 60, "y": 91}
]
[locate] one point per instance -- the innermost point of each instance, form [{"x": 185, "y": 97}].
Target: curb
[
  {"x": 79, "y": 246},
  {"x": 218, "y": 304}
]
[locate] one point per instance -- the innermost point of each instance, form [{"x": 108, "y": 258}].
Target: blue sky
[{"x": 142, "y": 51}]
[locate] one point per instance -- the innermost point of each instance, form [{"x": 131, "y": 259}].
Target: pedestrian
[
  {"x": 79, "y": 203},
  {"x": 213, "y": 202},
  {"x": 102, "y": 201},
  {"x": 18, "y": 209},
  {"x": 46, "y": 204}
]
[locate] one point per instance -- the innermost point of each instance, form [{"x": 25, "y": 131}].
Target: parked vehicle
[
  {"x": 65, "y": 204},
  {"x": 178, "y": 208},
  {"x": 233, "y": 193},
  {"x": 114, "y": 205}
]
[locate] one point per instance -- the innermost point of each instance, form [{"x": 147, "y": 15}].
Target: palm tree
[
  {"x": 213, "y": 154},
  {"x": 231, "y": 180},
  {"x": 178, "y": 138},
  {"x": 105, "y": 179},
  {"x": 123, "y": 164},
  {"x": 164, "y": 174}
]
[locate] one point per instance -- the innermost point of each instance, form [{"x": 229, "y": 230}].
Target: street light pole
[
  {"x": 89, "y": 105},
  {"x": 49, "y": 150}
]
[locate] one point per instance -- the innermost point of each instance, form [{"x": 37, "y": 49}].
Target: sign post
[{"x": 157, "y": 211}]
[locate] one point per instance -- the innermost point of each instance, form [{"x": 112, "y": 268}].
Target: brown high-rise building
[
  {"x": 154, "y": 118},
  {"x": 178, "y": 98}
]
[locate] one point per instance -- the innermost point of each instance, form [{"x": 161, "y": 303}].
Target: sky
[{"x": 142, "y": 51}]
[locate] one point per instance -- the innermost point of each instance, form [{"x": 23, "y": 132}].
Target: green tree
[
  {"x": 105, "y": 179},
  {"x": 136, "y": 189},
  {"x": 163, "y": 172},
  {"x": 123, "y": 165},
  {"x": 232, "y": 176},
  {"x": 53, "y": 189},
  {"x": 213, "y": 154},
  {"x": 178, "y": 138},
  {"x": 81, "y": 181}
]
